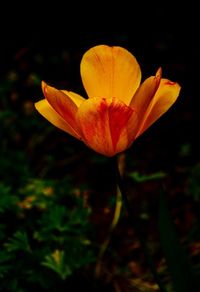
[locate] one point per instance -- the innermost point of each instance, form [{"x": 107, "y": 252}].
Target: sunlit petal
[
  {"x": 119, "y": 117},
  {"x": 76, "y": 98},
  {"x": 143, "y": 96},
  {"x": 163, "y": 99},
  {"x": 45, "y": 109},
  {"x": 109, "y": 72},
  {"x": 102, "y": 122},
  {"x": 62, "y": 104}
]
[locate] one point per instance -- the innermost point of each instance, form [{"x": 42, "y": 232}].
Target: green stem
[
  {"x": 137, "y": 230},
  {"x": 114, "y": 222}
]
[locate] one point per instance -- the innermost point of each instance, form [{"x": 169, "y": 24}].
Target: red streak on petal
[
  {"x": 61, "y": 103},
  {"x": 96, "y": 127},
  {"x": 119, "y": 115},
  {"x": 169, "y": 83},
  {"x": 103, "y": 126},
  {"x": 102, "y": 110}
]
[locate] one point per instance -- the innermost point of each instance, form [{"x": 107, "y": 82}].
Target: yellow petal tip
[
  {"x": 159, "y": 72},
  {"x": 44, "y": 86}
]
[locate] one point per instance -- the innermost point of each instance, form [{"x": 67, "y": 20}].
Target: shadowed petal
[
  {"x": 145, "y": 93},
  {"x": 53, "y": 117},
  {"x": 163, "y": 99},
  {"x": 119, "y": 117},
  {"x": 132, "y": 127},
  {"x": 62, "y": 104},
  {"x": 109, "y": 72},
  {"x": 76, "y": 98},
  {"x": 102, "y": 122}
]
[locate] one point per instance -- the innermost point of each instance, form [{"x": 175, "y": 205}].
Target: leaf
[
  {"x": 178, "y": 264},
  {"x": 139, "y": 178},
  {"x": 56, "y": 262},
  {"x": 18, "y": 242},
  {"x": 7, "y": 200},
  {"x": 5, "y": 260}
]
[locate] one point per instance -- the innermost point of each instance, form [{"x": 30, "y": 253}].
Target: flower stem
[
  {"x": 141, "y": 238},
  {"x": 106, "y": 242},
  {"x": 115, "y": 220}
]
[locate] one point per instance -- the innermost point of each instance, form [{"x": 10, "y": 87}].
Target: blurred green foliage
[{"x": 45, "y": 229}]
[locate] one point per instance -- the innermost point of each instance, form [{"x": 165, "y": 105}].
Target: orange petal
[
  {"x": 103, "y": 123},
  {"x": 53, "y": 117},
  {"x": 119, "y": 117},
  {"x": 132, "y": 128},
  {"x": 163, "y": 99},
  {"x": 76, "y": 98},
  {"x": 109, "y": 72},
  {"x": 62, "y": 104},
  {"x": 144, "y": 95}
]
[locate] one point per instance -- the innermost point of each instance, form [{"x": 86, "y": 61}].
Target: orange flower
[{"x": 118, "y": 109}]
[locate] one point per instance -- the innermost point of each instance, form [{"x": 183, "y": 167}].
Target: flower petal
[
  {"x": 45, "y": 109},
  {"x": 109, "y": 72},
  {"x": 163, "y": 99},
  {"x": 144, "y": 95},
  {"x": 102, "y": 122},
  {"x": 76, "y": 98},
  {"x": 62, "y": 104},
  {"x": 119, "y": 117}
]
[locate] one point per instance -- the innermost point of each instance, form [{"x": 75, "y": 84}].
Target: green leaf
[
  {"x": 56, "y": 262},
  {"x": 18, "y": 242},
  {"x": 7, "y": 200},
  {"x": 139, "y": 178},
  {"x": 5, "y": 260},
  {"x": 177, "y": 261}
]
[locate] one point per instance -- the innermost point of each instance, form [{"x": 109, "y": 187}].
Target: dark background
[{"x": 47, "y": 43}]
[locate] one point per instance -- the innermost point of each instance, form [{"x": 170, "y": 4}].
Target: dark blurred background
[{"x": 47, "y": 43}]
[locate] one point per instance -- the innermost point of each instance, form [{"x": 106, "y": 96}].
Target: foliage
[{"x": 47, "y": 233}]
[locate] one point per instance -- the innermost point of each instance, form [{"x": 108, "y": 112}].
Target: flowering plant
[{"x": 119, "y": 108}]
